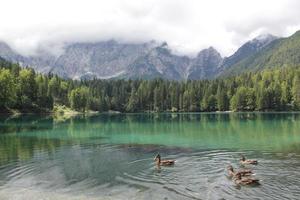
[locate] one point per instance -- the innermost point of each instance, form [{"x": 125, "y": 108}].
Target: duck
[
  {"x": 245, "y": 180},
  {"x": 245, "y": 161},
  {"x": 160, "y": 162},
  {"x": 242, "y": 172}
]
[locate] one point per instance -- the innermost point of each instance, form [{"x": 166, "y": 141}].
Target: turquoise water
[{"x": 111, "y": 156}]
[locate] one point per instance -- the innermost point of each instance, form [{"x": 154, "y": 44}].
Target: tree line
[{"x": 268, "y": 90}]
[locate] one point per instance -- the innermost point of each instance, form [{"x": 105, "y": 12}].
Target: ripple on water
[
  {"x": 202, "y": 175},
  {"x": 118, "y": 172}
]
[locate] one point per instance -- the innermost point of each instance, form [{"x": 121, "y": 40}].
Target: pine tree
[
  {"x": 296, "y": 91},
  {"x": 7, "y": 89}
]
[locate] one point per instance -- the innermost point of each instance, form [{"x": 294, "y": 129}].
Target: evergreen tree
[
  {"x": 266, "y": 90},
  {"x": 79, "y": 98},
  {"x": 7, "y": 89},
  {"x": 222, "y": 99},
  {"x": 296, "y": 91},
  {"x": 26, "y": 89}
]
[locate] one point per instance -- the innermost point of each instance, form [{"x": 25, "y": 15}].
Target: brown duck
[
  {"x": 245, "y": 161},
  {"x": 239, "y": 180},
  {"x": 242, "y": 172},
  {"x": 160, "y": 162}
]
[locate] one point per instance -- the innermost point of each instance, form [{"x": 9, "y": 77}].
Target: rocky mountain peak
[
  {"x": 209, "y": 54},
  {"x": 205, "y": 64},
  {"x": 262, "y": 40}
]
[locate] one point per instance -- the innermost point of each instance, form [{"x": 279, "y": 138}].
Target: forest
[{"x": 270, "y": 90}]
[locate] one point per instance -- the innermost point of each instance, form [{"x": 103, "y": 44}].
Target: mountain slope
[
  {"x": 246, "y": 51},
  {"x": 278, "y": 53},
  {"x": 8, "y": 54}
]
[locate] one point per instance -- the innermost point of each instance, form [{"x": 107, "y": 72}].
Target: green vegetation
[
  {"x": 284, "y": 52},
  {"x": 64, "y": 110},
  {"x": 268, "y": 90}
]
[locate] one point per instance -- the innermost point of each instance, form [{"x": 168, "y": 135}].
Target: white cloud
[{"x": 187, "y": 25}]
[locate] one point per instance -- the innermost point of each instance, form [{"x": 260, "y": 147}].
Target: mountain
[
  {"x": 248, "y": 49},
  {"x": 43, "y": 63},
  {"x": 160, "y": 62},
  {"x": 111, "y": 59},
  {"x": 7, "y": 53},
  {"x": 205, "y": 65},
  {"x": 103, "y": 60},
  {"x": 278, "y": 53}
]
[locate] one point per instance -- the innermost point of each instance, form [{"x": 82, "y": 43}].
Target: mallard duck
[
  {"x": 160, "y": 162},
  {"x": 242, "y": 172},
  {"x": 245, "y": 161},
  {"x": 245, "y": 180}
]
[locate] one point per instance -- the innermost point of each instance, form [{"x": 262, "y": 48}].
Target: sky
[{"x": 186, "y": 25}]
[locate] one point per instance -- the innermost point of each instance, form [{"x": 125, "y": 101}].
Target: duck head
[
  {"x": 242, "y": 158},
  {"x": 157, "y": 158},
  {"x": 230, "y": 168}
]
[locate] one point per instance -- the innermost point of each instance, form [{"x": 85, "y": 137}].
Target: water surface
[{"x": 111, "y": 156}]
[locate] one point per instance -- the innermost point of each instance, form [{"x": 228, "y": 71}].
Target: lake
[{"x": 110, "y": 156}]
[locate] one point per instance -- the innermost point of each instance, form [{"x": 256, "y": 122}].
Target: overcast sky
[{"x": 186, "y": 25}]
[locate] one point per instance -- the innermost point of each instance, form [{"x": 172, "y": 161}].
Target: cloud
[{"x": 186, "y": 25}]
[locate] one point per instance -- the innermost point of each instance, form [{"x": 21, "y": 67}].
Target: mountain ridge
[{"x": 111, "y": 59}]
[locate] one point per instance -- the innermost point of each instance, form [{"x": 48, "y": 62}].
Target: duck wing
[
  {"x": 245, "y": 172},
  {"x": 250, "y": 181},
  {"x": 167, "y": 162},
  {"x": 254, "y": 162}
]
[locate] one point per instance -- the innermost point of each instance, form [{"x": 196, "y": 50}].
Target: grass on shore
[{"x": 64, "y": 110}]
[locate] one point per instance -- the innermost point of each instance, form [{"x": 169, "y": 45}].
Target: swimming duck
[
  {"x": 245, "y": 161},
  {"x": 245, "y": 180},
  {"x": 160, "y": 162},
  {"x": 242, "y": 172}
]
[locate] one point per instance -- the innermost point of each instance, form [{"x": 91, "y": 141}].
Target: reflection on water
[{"x": 111, "y": 156}]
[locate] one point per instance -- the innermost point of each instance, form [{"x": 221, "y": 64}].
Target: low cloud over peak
[{"x": 187, "y": 26}]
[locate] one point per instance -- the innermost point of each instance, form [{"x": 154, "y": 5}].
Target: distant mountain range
[{"x": 111, "y": 59}]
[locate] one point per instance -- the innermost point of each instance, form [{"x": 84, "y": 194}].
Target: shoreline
[
  {"x": 58, "y": 111},
  {"x": 88, "y": 113}
]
